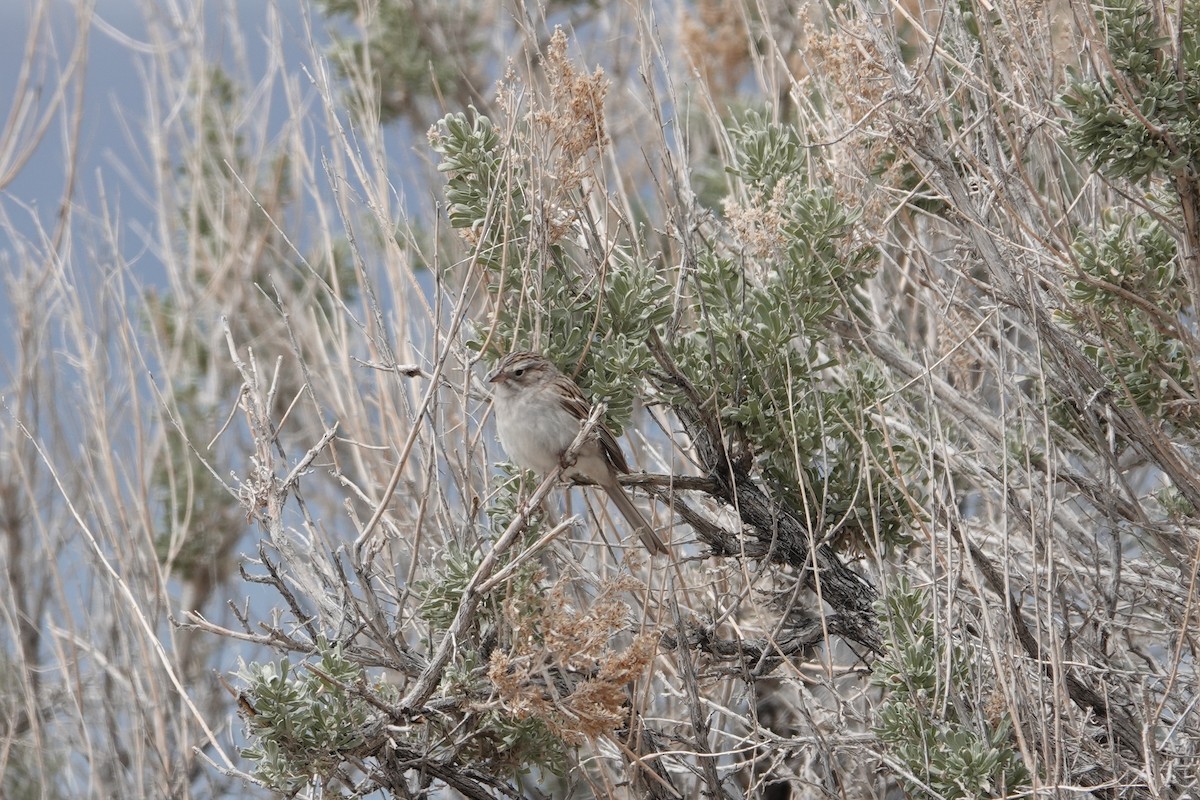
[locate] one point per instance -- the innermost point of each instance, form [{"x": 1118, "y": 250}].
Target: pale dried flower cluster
[
  {"x": 713, "y": 36},
  {"x": 563, "y": 667},
  {"x": 574, "y": 119},
  {"x": 758, "y": 225}
]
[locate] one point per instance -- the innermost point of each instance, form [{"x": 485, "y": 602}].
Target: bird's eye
[{"x": 518, "y": 372}]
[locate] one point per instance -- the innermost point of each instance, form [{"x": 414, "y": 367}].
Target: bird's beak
[{"x": 495, "y": 377}]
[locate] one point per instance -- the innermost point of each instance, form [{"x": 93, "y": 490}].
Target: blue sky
[
  {"x": 112, "y": 140},
  {"x": 111, "y": 154}
]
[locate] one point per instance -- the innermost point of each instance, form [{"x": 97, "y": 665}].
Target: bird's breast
[{"x": 535, "y": 431}]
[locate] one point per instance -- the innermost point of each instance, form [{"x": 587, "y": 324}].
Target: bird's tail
[{"x": 637, "y": 520}]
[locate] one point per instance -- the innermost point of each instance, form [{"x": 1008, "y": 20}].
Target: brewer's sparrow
[{"x": 538, "y": 414}]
